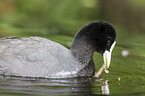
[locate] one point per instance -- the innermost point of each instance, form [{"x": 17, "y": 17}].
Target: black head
[{"x": 100, "y": 34}]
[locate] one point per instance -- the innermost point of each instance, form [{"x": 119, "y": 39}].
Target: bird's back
[{"x": 36, "y": 57}]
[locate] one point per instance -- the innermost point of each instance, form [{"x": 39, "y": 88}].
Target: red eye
[{"x": 108, "y": 42}]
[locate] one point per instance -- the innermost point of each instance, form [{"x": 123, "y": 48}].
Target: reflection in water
[
  {"x": 37, "y": 86},
  {"x": 105, "y": 88},
  {"x": 100, "y": 87}
]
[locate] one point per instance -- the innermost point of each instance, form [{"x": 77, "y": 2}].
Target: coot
[{"x": 40, "y": 57}]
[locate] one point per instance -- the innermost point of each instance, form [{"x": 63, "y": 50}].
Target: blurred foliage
[{"x": 48, "y": 17}]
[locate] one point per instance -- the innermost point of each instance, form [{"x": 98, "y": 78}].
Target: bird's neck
[{"x": 82, "y": 50}]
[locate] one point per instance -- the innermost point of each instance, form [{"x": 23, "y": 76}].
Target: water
[
  {"x": 18, "y": 86},
  {"x": 55, "y": 87}
]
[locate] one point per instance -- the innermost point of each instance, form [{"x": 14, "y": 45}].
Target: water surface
[
  {"x": 55, "y": 87},
  {"x": 18, "y": 86}
]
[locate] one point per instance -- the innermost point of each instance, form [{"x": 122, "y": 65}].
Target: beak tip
[{"x": 106, "y": 71}]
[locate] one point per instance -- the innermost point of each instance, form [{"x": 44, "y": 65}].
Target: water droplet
[{"x": 125, "y": 53}]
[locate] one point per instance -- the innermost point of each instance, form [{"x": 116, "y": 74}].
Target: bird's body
[
  {"x": 37, "y": 57},
  {"x": 40, "y": 57}
]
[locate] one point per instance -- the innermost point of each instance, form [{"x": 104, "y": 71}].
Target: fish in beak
[{"x": 107, "y": 60}]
